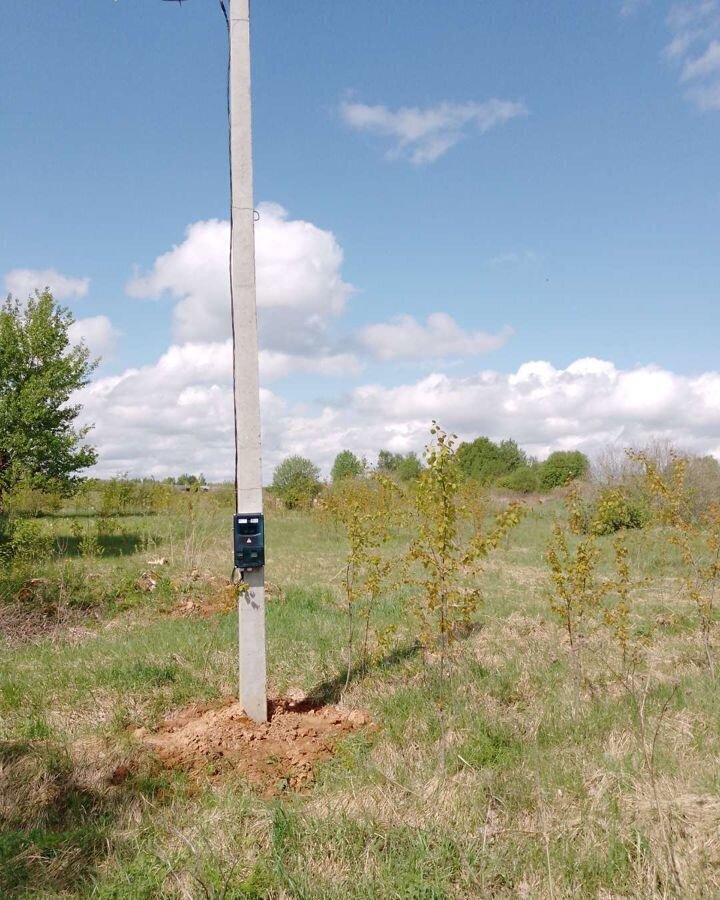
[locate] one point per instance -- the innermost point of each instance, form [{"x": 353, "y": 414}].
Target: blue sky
[{"x": 546, "y": 175}]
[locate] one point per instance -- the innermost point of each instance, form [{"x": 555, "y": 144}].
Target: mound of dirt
[
  {"x": 274, "y": 756},
  {"x": 220, "y": 601}
]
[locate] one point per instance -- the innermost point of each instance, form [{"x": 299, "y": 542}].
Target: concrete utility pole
[
  {"x": 248, "y": 523},
  {"x": 251, "y": 612}
]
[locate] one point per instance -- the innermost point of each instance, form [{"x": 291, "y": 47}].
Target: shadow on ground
[
  {"x": 56, "y": 827},
  {"x": 331, "y": 690},
  {"x": 110, "y": 545}
]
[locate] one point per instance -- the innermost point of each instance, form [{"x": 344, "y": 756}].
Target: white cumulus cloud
[
  {"x": 424, "y": 135},
  {"x": 98, "y": 332},
  {"x": 274, "y": 365},
  {"x": 299, "y": 281},
  {"x": 301, "y": 294},
  {"x": 406, "y": 338},
  {"x": 22, "y": 283},
  {"x": 176, "y": 415}
]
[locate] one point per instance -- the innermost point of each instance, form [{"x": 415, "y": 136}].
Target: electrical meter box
[{"x": 249, "y": 541}]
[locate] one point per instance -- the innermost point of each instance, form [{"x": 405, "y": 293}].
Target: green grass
[{"x": 508, "y": 779}]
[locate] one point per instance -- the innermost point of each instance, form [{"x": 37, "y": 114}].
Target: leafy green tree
[
  {"x": 296, "y": 481},
  {"x": 346, "y": 465},
  {"x": 486, "y": 461},
  {"x": 406, "y": 468},
  {"x": 40, "y": 445},
  {"x": 562, "y": 467}
]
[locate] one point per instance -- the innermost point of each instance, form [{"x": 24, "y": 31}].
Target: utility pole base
[{"x": 251, "y": 629}]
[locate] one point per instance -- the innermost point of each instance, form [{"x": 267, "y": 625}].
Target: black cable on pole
[{"x": 230, "y": 251}]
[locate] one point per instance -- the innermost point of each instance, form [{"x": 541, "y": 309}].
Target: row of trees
[
  {"x": 297, "y": 479},
  {"x": 507, "y": 466}
]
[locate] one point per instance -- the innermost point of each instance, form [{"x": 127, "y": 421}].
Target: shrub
[
  {"x": 297, "y": 482},
  {"x": 562, "y": 467},
  {"x": 614, "y": 509},
  {"x": 524, "y": 480},
  {"x": 28, "y": 542}
]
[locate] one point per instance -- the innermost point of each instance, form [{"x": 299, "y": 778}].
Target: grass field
[{"x": 512, "y": 778}]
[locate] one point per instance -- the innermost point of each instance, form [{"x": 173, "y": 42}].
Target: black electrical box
[{"x": 249, "y": 541}]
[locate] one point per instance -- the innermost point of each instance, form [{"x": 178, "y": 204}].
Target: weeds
[{"x": 696, "y": 537}]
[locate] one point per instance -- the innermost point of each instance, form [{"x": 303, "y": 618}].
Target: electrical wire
[
  {"x": 237, "y": 575},
  {"x": 230, "y": 252}
]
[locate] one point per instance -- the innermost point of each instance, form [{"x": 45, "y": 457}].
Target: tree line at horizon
[{"x": 297, "y": 480}]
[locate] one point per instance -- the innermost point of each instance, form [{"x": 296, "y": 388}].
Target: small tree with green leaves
[
  {"x": 297, "y": 482},
  {"x": 587, "y": 602},
  {"x": 450, "y": 544},
  {"x": 577, "y": 589},
  {"x": 346, "y": 465},
  {"x": 41, "y": 445},
  {"x": 368, "y": 510},
  {"x": 696, "y": 537}
]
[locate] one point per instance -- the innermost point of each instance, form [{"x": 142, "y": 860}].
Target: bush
[
  {"x": 524, "y": 480},
  {"x": 614, "y": 509},
  {"x": 297, "y": 482},
  {"x": 562, "y": 467},
  {"x": 27, "y": 541}
]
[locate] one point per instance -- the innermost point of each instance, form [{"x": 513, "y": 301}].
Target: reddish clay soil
[
  {"x": 204, "y": 607},
  {"x": 274, "y": 756},
  {"x": 222, "y": 600}
]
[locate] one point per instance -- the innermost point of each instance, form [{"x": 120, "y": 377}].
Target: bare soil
[
  {"x": 220, "y": 601},
  {"x": 274, "y": 756}
]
